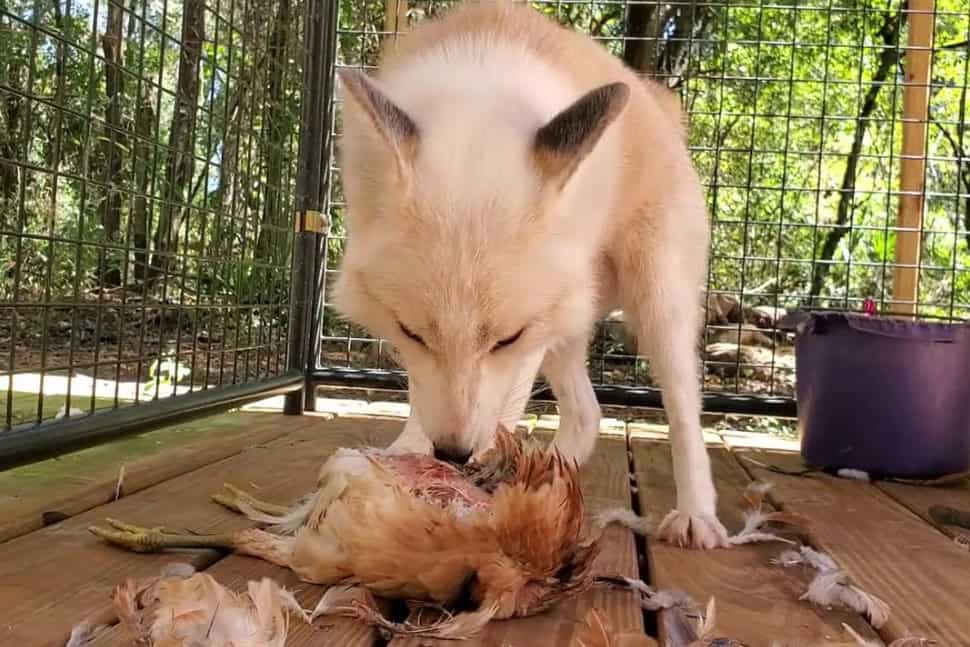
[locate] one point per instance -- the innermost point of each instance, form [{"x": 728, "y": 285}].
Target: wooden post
[
  {"x": 395, "y": 19},
  {"x": 912, "y": 165}
]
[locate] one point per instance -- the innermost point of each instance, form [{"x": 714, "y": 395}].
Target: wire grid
[
  {"x": 147, "y": 158},
  {"x": 795, "y": 127}
]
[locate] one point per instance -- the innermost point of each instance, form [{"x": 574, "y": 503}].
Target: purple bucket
[{"x": 887, "y": 396}]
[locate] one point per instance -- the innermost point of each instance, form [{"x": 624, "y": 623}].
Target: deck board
[
  {"x": 920, "y": 498},
  {"x": 71, "y": 484},
  {"x": 54, "y": 577},
  {"x": 757, "y": 603},
  {"x": 887, "y": 549},
  {"x": 43, "y": 594},
  {"x": 605, "y": 483}
]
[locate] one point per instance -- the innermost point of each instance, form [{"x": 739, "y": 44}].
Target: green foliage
[
  {"x": 776, "y": 92},
  {"x": 165, "y": 372},
  {"x": 777, "y": 99}
]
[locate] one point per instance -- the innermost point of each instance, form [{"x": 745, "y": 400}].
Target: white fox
[{"x": 508, "y": 181}]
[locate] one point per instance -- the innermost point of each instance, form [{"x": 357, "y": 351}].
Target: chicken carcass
[{"x": 504, "y": 536}]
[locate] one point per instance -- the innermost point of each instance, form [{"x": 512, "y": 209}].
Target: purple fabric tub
[{"x": 888, "y": 396}]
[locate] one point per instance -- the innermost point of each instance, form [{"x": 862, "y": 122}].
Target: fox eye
[
  {"x": 410, "y": 334},
  {"x": 508, "y": 341}
]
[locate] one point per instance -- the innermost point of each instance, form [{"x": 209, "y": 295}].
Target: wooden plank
[
  {"x": 757, "y": 603},
  {"x": 912, "y": 163},
  {"x": 889, "y": 551},
  {"x": 605, "y": 480},
  {"x": 919, "y": 499},
  {"x": 55, "y": 577},
  {"x": 68, "y": 485}
]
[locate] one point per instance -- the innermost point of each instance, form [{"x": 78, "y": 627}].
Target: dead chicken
[{"x": 503, "y": 537}]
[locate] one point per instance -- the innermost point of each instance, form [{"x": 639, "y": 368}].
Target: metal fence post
[{"x": 312, "y": 221}]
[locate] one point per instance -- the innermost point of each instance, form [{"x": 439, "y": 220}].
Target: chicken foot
[
  {"x": 239, "y": 500},
  {"x": 139, "y": 539},
  {"x": 272, "y": 548}
]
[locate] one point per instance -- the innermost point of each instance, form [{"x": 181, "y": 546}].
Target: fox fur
[{"x": 508, "y": 181}]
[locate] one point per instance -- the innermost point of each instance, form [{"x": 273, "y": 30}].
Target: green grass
[{"x": 25, "y": 405}]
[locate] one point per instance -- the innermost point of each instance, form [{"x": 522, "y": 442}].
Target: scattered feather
[
  {"x": 706, "y": 622},
  {"x": 81, "y": 635},
  {"x": 119, "y": 486},
  {"x": 858, "y": 475},
  {"x": 833, "y": 589},
  {"x": 754, "y": 522},
  {"x": 650, "y": 598},
  {"x": 756, "y": 492},
  {"x": 180, "y": 608},
  {"x": 624, "y": 517},
  {"x": 806, "y": 556}
]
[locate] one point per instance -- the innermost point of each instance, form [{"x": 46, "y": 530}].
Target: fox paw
[{"x": 701, "y": 532}]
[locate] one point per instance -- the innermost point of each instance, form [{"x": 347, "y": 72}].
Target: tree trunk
[
  {"x": 144, "y": 119},
  {"x": 9, "y": 172},
  {"x": 642, "y": 26},
  {"x": 110, "y": 208},
  {"x": 688, "y": 24},
  {"x": 888, "y": 61},
  {"x": 11, "y": 123},
  {"x": 274, "y": 139},
  {"x": 181, "y": 139}
]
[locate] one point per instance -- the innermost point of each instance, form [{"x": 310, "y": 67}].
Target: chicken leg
[
  {"x": 238, "y": 500},
  {"x": 275, "y": 549},
  {"x": 139, "y": 539}
]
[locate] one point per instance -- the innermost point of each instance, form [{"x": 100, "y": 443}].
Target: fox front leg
[
  {"x": 565, "y": 368},
  {"x": 667, "y": 332}
]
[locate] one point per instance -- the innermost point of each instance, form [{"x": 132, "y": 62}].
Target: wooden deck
[{"x": 54, "y": 574}]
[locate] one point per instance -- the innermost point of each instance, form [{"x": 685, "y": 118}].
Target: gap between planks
[
  {"x": 888, "y": 550},
  {"x": 757, "y": 602}
]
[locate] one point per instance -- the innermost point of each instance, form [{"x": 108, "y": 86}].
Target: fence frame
[
  {"x": 305, "y": 371},
  {"x": 34, "y": 441}
]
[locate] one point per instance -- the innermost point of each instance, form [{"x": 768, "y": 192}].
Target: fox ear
[
  {"x": 395, "y": 127},
  {"x": 570, "y": 136}
]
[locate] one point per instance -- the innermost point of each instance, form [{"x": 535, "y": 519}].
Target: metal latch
[{"x": 314, "y": 221}]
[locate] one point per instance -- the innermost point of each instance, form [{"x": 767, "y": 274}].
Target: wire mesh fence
[
  {"x": 148, "y": 154},
  {"x": 832, "y": 139}
]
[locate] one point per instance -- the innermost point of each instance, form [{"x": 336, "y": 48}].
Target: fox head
[{"x": 469, "y": 245}]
